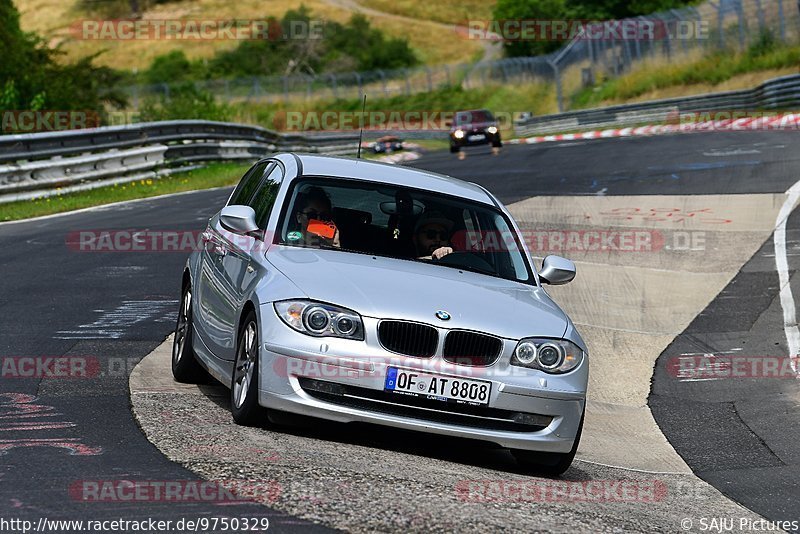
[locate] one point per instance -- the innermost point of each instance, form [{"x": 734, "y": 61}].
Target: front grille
[
  {"x": 411, "y": 339},
  {"x": 425, "y": 409},
  {"x": 471, "y": 348}
]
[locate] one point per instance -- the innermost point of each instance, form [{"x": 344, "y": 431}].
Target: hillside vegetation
[{"x": 431, "y": 41}]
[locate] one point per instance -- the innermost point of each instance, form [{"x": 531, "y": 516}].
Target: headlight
[
  {"x": 548, "y": 355},
  {"x": 458, "y": 134},
  {"x": 317, "y": 319},
  {"x": 492, "y": 129}
]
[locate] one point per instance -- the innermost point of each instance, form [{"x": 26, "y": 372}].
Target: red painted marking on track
[{"x": 16, "y": 406}]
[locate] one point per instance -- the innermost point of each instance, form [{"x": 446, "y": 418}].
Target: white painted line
[{"x": 782, "y": 266}]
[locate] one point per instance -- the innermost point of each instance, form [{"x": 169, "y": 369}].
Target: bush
[
  {"x": 766, "y": 43},
  {"x": 173, "y": 66},
  {"x": 185, "y": 102},
  {"x": 343, "y": 47}
]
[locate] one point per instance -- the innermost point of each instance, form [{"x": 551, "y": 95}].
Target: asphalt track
[{"x": 57, "y": 301}]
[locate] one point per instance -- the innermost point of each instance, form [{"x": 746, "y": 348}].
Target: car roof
[{"x": 360, "y": 169}]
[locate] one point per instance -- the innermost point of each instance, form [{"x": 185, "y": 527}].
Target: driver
[
  {"x": 314, "y": 214},
  {"x": 432, "y": 236}
]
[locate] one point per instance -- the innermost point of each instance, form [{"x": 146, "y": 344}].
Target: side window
[
  {"x": 265, "y": 198},
  {"x": 248, "y": 184}
]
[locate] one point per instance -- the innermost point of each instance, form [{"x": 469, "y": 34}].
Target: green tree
[
  {"x": 31, "y": 78},
  {"x": 530, "y": 10}
]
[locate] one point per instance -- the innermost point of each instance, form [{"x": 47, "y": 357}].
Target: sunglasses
[
  {"x": 433, "y": 234},
  {"x": 320, "y": 216}
]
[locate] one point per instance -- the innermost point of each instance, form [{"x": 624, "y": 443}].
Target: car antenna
[{"x": 361, "y": 132}]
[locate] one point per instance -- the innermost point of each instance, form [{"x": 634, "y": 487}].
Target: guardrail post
[
  {"x": 430, "y": 78},
  {"x": 781, "y": 21},
  {"x": 360, "y": 88}
]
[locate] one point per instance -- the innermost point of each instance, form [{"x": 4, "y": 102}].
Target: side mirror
[
  {"x": 557, "y": 270},
  {"x": 238, "y": 219}
]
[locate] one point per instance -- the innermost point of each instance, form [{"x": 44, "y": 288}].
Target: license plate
[
  {"x": 479, "y": 137},
  {"x": 439, "y": 387}
]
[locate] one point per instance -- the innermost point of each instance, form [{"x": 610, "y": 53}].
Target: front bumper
[
  {"x": 488, "y": 139},
  {"x": 351, "y": 375}
]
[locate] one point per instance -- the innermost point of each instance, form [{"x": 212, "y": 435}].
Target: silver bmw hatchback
[{"x": 355, "y": 291}]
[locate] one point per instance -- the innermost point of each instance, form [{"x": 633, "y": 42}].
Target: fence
[
  {"x": 729, "y": 24},
  {"x": 33, "y": 165}
]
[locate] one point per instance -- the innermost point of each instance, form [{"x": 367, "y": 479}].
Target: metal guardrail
[
  {"x": 778, "y": 93},
  {"x": 44, "y": 161}
]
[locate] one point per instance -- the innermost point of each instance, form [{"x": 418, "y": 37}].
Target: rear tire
[
  {"x": 244, "y": 382},
  {"x": 454, "y": 149},
  {"x": 548, "y": 463},
  {"x": 185, "y": 367}
]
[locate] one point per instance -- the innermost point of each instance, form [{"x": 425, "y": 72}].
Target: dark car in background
[
  {"x": 472, "y": 128},
  {"x": 387, "y": 144}
]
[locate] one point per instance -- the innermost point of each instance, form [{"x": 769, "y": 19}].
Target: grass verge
[
  {"x": 711, "y": 70},
  {"x": 215, "y": 175}
]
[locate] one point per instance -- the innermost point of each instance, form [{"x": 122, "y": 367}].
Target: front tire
[
  {"x": 185, "y": 367},
  {"x": 244, "y": 382},
  {"x": 548, "y": 463}
]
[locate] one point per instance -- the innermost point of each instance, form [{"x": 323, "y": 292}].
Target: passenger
[
  {"x": 432, "y": 236},
  {"x": 314, "y": 214}
]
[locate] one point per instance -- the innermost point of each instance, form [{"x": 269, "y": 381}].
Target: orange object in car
[{"x": 322, "y": 228}]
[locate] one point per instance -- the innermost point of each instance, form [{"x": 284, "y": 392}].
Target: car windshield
[
  {"x": 470, "y": 117},
  {"x": 398, "y": 222}
]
